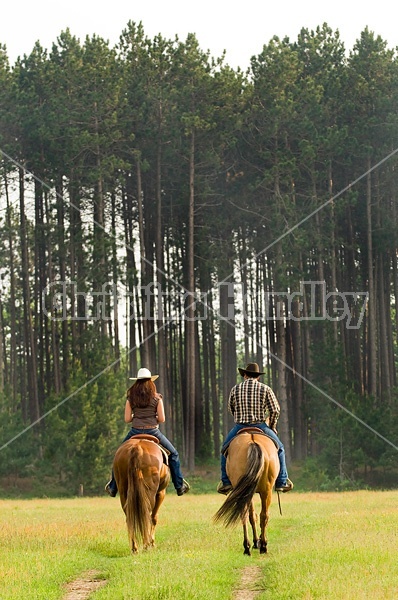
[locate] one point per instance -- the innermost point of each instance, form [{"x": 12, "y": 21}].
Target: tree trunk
[
  {"x": 13, "y": 326},
  {"x": 133, "y": 307},
  {"x": 281, "y": 354},
  {"x": 384, "y": 362},
  {"x": 116, "y": 341},
  {"x": 372, "y": 326},
  {"x": 53, "y": 367},
  {"x": 29, "y": 339},
  {"x": 215, "y": 402},
  {"x": 101, "y": 307},
  {"x": 333, "y": 258},
  {"x": 300, "y": 429},
  {"x": 2, "y": 348},
  {"x": 245, "y": 306},
  {"x": 200, "y": 433},
  {"x": 65, "y": 341},
  {"x": 40, "y": 330},
  {"x": 190, "y": 314},
  {"x": 161, "y": 299},
  {"x": 146, "y": 297},
  {"x": 228, "y": 344}
]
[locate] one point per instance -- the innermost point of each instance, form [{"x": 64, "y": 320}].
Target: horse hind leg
[
  {"x": 262, "y": 545},
  {"x": 154, "y": 516},
  {"x": 246, "y": 542},
  {"x": 263, "y": 525},
  {"x": 253, "y": 521},
  {"x": 134, "y": 546},
  {"x": 151, "y": 541},
  {"x": 149, "y": 536}
]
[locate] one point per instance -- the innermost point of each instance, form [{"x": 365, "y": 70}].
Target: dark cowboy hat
[{"x": 251, "y": 369}]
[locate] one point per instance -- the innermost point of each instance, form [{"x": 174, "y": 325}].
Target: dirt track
[
  {"x": 249, "y": 578},
  {"x": 81, "y": 588}
]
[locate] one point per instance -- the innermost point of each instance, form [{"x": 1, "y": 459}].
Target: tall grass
[{"x": 340, "y": 546}]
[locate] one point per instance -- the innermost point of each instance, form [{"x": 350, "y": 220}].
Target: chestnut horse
[
  {"x": 252, "y": 466},
  {"x": 142, "y": 478}
]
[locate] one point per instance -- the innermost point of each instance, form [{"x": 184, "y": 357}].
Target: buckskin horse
[
  {"x": 252, "y": 466},
  {"x": 142, "y": 477}
]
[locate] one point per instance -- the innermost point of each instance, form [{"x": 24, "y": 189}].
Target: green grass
[
  {"x": 341, "y": 545},
  {"x": 326, "y": 545}
]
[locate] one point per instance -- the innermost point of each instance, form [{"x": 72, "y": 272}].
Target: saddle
[
  {"x": 152, "y": 438},
  {"x": 252, "y": 430}
]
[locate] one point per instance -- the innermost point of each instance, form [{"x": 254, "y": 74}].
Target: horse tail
[
  {"x": 238, "y": 501},
  {"x": 138, "y": 506}
]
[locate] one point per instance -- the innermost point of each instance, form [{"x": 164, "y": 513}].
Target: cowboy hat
[
  {"x": 144, "y": 374},
  {"x": 251, "y": 369}
]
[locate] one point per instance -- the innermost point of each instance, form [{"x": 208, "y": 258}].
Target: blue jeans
[
  {"x": 282, "y": 477},
  {"x": 174, "y": 459}
]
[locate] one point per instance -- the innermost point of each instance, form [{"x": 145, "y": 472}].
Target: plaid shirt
[{"x": 252, "y": 401}]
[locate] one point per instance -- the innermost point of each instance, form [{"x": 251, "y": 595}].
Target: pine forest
[{"x": 160, "y": 209}]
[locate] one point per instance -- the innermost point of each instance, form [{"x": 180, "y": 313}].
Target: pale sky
[{"x": 241, "y": 28}]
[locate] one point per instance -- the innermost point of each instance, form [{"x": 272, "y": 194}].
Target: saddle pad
[
  {"x": 154, "y": 439},
  {"x": 145, "y": 436},
  {"x": 254, "y": 430}
]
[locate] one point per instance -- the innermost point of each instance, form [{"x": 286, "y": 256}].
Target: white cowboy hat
[{"x": 144, "y": 374}]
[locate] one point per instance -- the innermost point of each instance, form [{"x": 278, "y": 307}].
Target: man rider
[{"x": 252, "y": 404}]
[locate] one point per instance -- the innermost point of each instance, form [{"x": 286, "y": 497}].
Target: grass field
[{"x": 326, "y": 545}]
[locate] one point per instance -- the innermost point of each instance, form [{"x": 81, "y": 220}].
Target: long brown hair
[{"x": 141, "y": 393}]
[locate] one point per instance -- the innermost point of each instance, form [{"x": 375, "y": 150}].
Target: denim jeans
[
  {"x": 282, "y": 477},
  {"x": 174, "y": 459}
]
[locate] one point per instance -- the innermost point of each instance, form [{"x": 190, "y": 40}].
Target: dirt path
[
  {"x": 250, "y": 577},
  {"x": 81, "y": 588}
]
